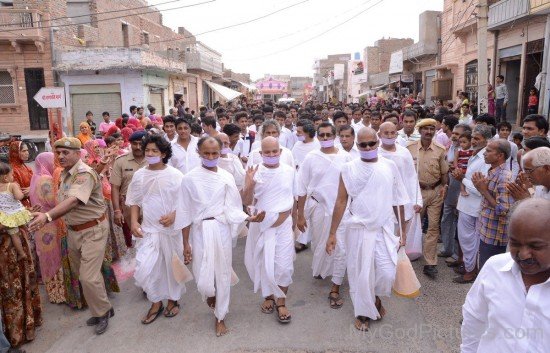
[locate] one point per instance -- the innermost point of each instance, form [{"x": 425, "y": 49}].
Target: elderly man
[
  {"x": 493, "y": 223},
  {"x": 271, "y": 128},
  {"x": 231, "y": 162},
  {"x": 432, "y": 168},
  {"x": 508, "y": 307},
  {"x": 377, "y": 203},
  {"x": 536, "y": 171},
  {"x": 469, "y": 205},
  {"x": 269, "y": 254},
  {"x": 316, "y": 197}
]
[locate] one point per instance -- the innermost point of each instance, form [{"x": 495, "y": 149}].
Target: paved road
[{"x": 430, "y": 323}]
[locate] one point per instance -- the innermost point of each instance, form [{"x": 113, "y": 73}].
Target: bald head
[
  {"x": 224, "y": 139},
  {"x": 538, "y": 157},
  {"x": 366, "y": 133},
  {"x": 387, "y": 126}
]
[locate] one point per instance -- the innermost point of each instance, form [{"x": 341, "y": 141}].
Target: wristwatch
[{"x": 48, "y": 217}]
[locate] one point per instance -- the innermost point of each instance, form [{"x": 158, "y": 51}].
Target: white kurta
[
  {"x": 156, "y": 192},
  {"x": 256, "y": 158},
  {"x": 185, "y": 159},
  {"x": 269, "y": 253},
  {"x": 317, "y": 180},
  {"x": 234, "y": 166},
  {"x": 300, "y": 150},
  {"x": 371, "y": 245},
  {"x": 213, "y": 208}
]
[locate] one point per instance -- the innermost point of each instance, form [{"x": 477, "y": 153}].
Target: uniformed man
[
  {"x": 432, "y": 168},
  {"x": 81, "y": 203},
  {"x": 121, "y": 175}
]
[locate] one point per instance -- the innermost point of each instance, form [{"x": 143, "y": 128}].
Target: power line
[
  {"x": 451, "y": 32},
  {"x": 316, "y": 36}
]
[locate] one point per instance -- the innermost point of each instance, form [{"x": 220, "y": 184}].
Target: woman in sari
[
  {"x": 85, "y": 133},
  {"x": 22, "y": 175},
  {"x": 48, "y": 244}
]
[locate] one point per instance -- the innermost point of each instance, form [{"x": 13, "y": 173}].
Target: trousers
[
  {"x": 469, "y": 240},
  {"x": 432, "y": 201},
  {"x": 486, "y": 251},
  {"x": 500, "y": 110}
]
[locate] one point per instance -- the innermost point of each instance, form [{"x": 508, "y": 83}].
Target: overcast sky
[{"x": 261, "y": 47}]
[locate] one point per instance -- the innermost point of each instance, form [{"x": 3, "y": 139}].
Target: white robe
[
  {"x": 234, "y": 166},
  {"x": 269, "y": 253},
  {"x": 185, "y": 160},
  {"x": 256, "y": 158},
  {"x": 317, "y": 180},
  {"x": 301, "y": 149},
  {"x": 209, "y": 194},
  {"x": 371, "y": 245},
  {"x": 156, "y": 192}
]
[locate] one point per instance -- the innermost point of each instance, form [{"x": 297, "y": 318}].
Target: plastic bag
[
  {"x": 406, "y": 283},
  {"x": 413, "y": 248},
  {"x": 181, "y": 272}
]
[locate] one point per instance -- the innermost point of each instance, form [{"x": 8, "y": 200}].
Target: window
[
  {"x": 79, "y": 11},
  {"x": 38, "y": 116},
  {"x": 125, "y": 36},
  {"x": 6, "y": 3},
  {"x": 7, "y": 95},
  {"x": 145, "y": 38}
]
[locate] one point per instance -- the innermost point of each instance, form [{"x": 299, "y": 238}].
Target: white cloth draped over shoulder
[
  {"x": 374, "y": 188},
  {"x": 156, "y": 193},
  {"x": 274, "y": 193},
  {"x": 301, "y": 150},
  {"x": 318, "y": 178},
  {"x": 185, "y": 159},
  {"x": 213, "y": 208},
  {"x": 234, "y": 166}
]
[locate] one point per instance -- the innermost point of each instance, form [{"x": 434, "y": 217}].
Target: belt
[
  {"x": 429, "y": 187},
  {"x": 314, "y": 199},
  {"x": 209, "y": 219},
  {"x": 87, "y": 225}
]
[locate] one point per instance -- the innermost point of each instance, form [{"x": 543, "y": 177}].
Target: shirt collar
[
  {"x": 75, "y": 167},
  {"x": 508, "y": 266}
]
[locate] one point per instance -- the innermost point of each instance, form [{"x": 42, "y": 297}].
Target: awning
[
  {"x": 248, "y": 86},
  {"x": 223, "y": 91},
  {"x": 364, "y": 94}
]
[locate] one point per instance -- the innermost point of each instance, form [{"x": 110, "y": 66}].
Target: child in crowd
[
  {"x": 463, "y": 155},
  {"x": 517, "y": 137},
  {"x": 12, "y": 212},
  {"x": 533, "y": 102}
]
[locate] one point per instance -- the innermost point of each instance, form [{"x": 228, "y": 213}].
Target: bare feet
[
  {"x": 362, "y": 323},
  {"x": 221, "y": 329},
  {"x": 268, "y": 305},
  {"x": 211, "y": 302},
  {"x": 380, "y": 308}
]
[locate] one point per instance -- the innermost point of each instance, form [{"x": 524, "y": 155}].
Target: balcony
[
  {"x": 419, "y": 50},
  {"x": 505, "y": 12},
  {"x": 92, "y": 59},
  {"x": 200, "y": 57},
  {"x": 19, "y": 26},
  {"x": 464, "y": 21},
  {"x": 540, "y": 7}
]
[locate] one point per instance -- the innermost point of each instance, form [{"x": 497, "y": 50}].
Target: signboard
[
  {"x": 339, "y": 71},
  {"x": 51, "y": 97},
  {"x": 407, "y": 78},
  {"x": 396, "y": 62}
]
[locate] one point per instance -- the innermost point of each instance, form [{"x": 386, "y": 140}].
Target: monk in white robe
[
  {"x": 231, "y": 162},
  {"x": 212, "y": 217},
  {"x": 151, "y": 192},
  {"x": 377, "y": 195},
  {"x": 270, "y": 128},
  {"x": 269, "y": 254},
  {"x": 316, "y": 191}
]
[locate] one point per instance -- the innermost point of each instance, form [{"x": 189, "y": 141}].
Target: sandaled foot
[
  {"x": 380, "y": 308},
  {"x": 299, "y": 247},
  {"x": 335, "y": 301},
  {"x": 172, "y": 309},
  {"x": 211, "y": 302},
  {"x": 268, "y": 305},
  {"x": 221, "y": 329},
  {"x": 152, "y": 314},
  {"x": 283, "y": 315},
  {"x": 362, "y": 323}
]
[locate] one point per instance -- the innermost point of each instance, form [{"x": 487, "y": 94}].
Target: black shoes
[
  {"x": 102, "y": 322},
  {"x": 430, "y": 271}
]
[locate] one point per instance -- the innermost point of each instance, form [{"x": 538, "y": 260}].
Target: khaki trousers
[
  {"x": 86, "y": 253},
  {"x": 432, "y": 201}
]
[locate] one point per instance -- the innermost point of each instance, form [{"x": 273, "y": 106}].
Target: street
[{"x": 429, "y": 323}]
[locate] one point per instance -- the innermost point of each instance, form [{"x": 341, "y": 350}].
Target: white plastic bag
[{"x": 413, "y": 248}]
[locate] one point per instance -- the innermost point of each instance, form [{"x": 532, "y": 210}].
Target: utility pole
[{"x": 482, "y": 72}]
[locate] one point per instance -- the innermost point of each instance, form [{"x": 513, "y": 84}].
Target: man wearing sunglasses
[
  {"x": 431, "y": 165},
  {"x": 377, "y": 198}
]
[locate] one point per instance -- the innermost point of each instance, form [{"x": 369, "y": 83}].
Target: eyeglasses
[
  {"x": 529, "y": 171},
  {"x": 327, "y": 134},
  {"x": 367, "y": 144}
]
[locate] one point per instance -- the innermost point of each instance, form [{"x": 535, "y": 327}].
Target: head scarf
[
  {"x": 118, "y": 123},
  {"x": 84, "y": 137},
  {"x": 126, "y": 133},
  {"x": 92, "y": 156},
  {"x": 113, "y": 129},
  {"x": 21, "y": 173},
  {"x": 134, "y": 122},
  {"x": 41, "y": 183}
]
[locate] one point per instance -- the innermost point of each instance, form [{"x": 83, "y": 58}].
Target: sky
[{"x": 288, "y": 42}]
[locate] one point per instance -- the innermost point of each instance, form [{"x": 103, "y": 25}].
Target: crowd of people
[{"x": 353, "y": 182}]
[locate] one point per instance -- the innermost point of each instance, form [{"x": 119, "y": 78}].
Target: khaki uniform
[
  {"x": 87, "y": 246},
  {"x": 121, "y": 175},
  {"x": 432, "y": 166}
]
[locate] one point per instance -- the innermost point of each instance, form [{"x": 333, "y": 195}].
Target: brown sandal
[
  {"x": 333, "y": 301},
  {"x": 270, "y": 309},
  {"x": 282, "y": 320},
  {"x": 153, "y": 315}
]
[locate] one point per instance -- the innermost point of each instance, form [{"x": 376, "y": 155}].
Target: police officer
[
  {"x": 81, "y": 203},
  {"x": 430, "y": 160}
]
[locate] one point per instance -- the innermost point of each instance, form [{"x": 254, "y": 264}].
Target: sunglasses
[
  {"x": 367, "y": 144},
  {"x": 328, "y": 134}
]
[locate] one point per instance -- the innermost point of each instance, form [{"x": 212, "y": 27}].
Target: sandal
[
  {"x": 270, "y": 309},
  {"x": 300, "y": 248},
  {"x": 363, "y": 323},
  {"x": 148, "y": 320},
  {"x": 282, "y": 320},
  {"x": 169, "y": 310},
  {"x": 333, "y": 301}
]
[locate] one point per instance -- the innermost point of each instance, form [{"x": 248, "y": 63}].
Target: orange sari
[{"x": 21, "y": 173}]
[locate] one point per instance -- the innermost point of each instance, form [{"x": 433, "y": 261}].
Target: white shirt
[
  {"x": 512, "y": 161},
  {"x": 471, "y": 204},
  {"x": 501, "y": 316},
  {"x": 287, "y": 138},
  {"x": 185, "y": 160},
  {"x": 354, "y": 152},
  {"x": 542, "y": 192}
]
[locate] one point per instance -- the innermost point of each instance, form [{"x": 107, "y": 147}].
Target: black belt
[{"x": 429, "y": 187}]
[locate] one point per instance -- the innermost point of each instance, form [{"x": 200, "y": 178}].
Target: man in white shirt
[
  {"x": 288, "y": 137},
  {"x": 169, "y": 127},
  {"x": 536, "y": 171},
  {"x": 408, "y": 132},
  {"x": 504, "y": 129},
  {"x": 247, "y": 137},
  {"x": 184, "y": 150},
  {"x": 508, "y": 307},
  {"x": 305, "y": 132},
  {"x": 346, "y": 137},
  {"x": 501, "y": 99},
  {"x": 469, "y": 205}
]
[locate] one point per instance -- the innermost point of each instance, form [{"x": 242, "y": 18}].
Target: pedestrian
[
  {"x": 533, "y": 101},
  {"x": 106, "y": 124},
  {"x": 346, "y": 141},
  {"x": 83, "y": 208},
  {"x": 246, "y": 137},
  {"x": 269, "y": 254},
  {"x": 91, "y": 123},
  {"x": 501, "y": 96},
  {"x": 409, "y": 131},
  {"x": 169, "y": 128},
  {"x": 378, "y": 198},
  {"x": 432, "y": 168},
  {"x": 154, "y": 193},
  {"x": 508, "y": 306},
  {"x": 231, "y": 162},
  {"x": 209, "y": 126},
  {"x": 536, "y": 172},
  {"x": 306, "y": 141},
  {"x": 184, "y": 150},
  {"x": 22, "y": 174},
  {"x": 317, "y": 176},
  {"x": 85, "y": 133},
  {"x": 273, "y": 129}
]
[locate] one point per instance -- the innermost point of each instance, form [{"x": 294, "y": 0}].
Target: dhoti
[{"x": 468, "y": 240}]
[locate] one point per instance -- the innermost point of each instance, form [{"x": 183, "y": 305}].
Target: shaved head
[
  {"x": 224, "y": 139},
  {"x": 366, "y": 133},
  {"x": 387, "y": 126},
  {"x": 270, "y": 142}
]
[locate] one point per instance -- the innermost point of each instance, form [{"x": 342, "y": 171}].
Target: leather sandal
[{"x": 154, "y": 315}]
